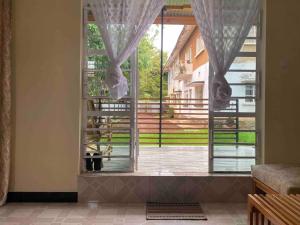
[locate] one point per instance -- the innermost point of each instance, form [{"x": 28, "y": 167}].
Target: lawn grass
[{"x": 190, "y": 138}]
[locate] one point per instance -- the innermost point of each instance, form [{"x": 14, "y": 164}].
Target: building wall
[
  {"x": 46, "y": 95},
  {"x": 199, "y": 59},
  {"x": 282, "y": 108},
  {"x": 202, "y": 74}
]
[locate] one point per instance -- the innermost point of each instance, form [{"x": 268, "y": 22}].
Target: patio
[
  {"x": 180, "y": 160},
  {"x": 173, "y": 160}
]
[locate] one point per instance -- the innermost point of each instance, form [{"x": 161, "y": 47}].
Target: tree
[{"x": 148, "y": 65}]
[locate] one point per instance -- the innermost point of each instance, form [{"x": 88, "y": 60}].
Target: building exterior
[
  {"x": 188, "y": 70},
  {"x": 187, "y": 66}
]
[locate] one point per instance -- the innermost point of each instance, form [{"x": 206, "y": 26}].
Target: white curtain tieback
[
  {"x": 221, "y": 92},
  {"x": 113, "y": 76}
]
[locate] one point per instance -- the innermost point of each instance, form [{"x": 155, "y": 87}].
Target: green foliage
[
  {"x": 94, "y": 38},
  {"x": 149, "y": 68},
  {"x": 170, "y": 112},
  {"x": 148, "y": 65},
  {"x": 95, "y": 80}
]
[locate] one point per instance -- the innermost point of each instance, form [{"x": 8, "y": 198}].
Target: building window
[
  {"x": 188, "y": 56},
  {"x": 199, "y": 46},
  {"x": 249, "y": 93}
]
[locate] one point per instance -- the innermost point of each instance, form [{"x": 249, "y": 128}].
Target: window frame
[
  {"x": 200, "y": 47},
  {"x": 238, "y": 114}
]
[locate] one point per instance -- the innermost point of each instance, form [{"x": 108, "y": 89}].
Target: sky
[{"x": 171, "y": 34}]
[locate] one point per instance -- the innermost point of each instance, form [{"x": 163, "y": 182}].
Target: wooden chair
[{"x": 94, "y": 137}]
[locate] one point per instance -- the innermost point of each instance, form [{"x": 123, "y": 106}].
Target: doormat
[{"x": 174, "y": 211}]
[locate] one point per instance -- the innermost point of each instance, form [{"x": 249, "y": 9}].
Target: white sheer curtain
[
  {"x": 224, "y": 26},
  {"x": 122, "y": 23}
]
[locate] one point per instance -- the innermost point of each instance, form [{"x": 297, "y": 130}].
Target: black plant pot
[
  {"x": 97, "y": 162},
  {"x": 89, "y": 163}
]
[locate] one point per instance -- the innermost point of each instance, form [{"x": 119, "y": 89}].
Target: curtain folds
[
  {"x": 122, "y": 23},
  {"x": 5, "y": 96},
  {"x": 224, "y": 26}
]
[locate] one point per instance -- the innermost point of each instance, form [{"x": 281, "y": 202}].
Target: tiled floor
[
  {"x": 173, "y": 159},
  {"x": 164, "y": 160},
  {"x": 184, "y": 160},
  {"x": 110, "y": 214}
]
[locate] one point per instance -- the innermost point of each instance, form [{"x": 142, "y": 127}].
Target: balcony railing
[{"x": 184, "y": 72}]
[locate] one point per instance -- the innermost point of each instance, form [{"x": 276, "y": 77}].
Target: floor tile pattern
[{"x": 110, "y": 214}]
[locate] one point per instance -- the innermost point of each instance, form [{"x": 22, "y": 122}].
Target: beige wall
[
  {"x": 46, "y": 61},
  {"x": 282, "y": 118}
]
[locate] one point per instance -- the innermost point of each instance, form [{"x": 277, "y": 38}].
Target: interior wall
[
  {"x": 282, "y": 94},
  {"x": 46, "y": 95},
  {"x": 46, "y": 64}
]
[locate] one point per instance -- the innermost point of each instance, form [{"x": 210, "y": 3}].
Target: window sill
[{"x": 199, "y": 53}]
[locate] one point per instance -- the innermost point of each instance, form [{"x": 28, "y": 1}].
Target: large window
[
  {"x": 108, "y": 128},
  {"x": 233, "y": 131},
  {"x": 111, "y": 124}
]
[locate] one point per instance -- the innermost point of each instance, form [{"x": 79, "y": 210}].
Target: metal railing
[{"x": 182, "y": 121}]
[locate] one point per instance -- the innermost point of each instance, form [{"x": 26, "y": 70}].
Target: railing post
[
  {"x": 237, "y": 122},
  {"x": 161, "y": 76}
]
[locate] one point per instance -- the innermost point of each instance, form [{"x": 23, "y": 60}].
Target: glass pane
[
  {"x": 96, "y": 85},
  {"x": 247, "y": 123},
  {"x": 241, "y": 77},
  {"x": 107, "y": 122},
  {"x": 225, "y": 123},
  {"x": 243, "y": 63},
  {"x": 94, "y": 38},
  {"x": 233, "y": 151},
  {"x": 232, "y": 165},
  {"x": 253, "y": 32},
  {"x": 119, "y": 106},
  {"x": 240, "y": 105},
  {"x": 234, "y": 137},
  {"x": 107, "y": 150},
  {"x": 115, "y": 165},
  {"x": 233, "y": 134},
  {"x": 249, "y": 45},
  {"x": 247, "y": 105},
  {"x": 243, "y": 90},
  {"x": 98, "y": 62}
]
